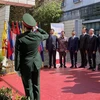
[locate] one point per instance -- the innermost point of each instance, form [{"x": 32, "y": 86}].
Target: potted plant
[
  {"x": 2, "y": 69},
  {"x": 1, "y": 59},
  {"x": 9, "y": 94},
  {"x": 5, "y": 94}
]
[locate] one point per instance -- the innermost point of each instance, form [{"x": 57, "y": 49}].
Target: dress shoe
[
  {"x": 49, "y": 67},
  {"x": 60, "y": 66},
  {"x": 75, "y": 66},
  {"x": 90, "y": 68},
  {"x": 81, "y": 67},
  {"x": 93, "y": 69},
  {"x": 64, "y": 66},
  {"x": 71, "y": 67}
]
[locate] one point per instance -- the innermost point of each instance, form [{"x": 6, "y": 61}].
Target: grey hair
[{"x": 92, "y": 29}]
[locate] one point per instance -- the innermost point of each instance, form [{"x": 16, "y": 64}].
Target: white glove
[
  {"x": 35, "y": 28},
  {"x": 18, "y": 72}
]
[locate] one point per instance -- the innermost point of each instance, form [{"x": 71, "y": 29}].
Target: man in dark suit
[
  {"x": 51, "y": 47},
  {"x": 73, "y": 43},
  {"x": 99, "y": 42},
  {"x": 83, "y": 47},
  {"x": 91, "y": 49},
  {"x": 99, "y": 47},
  {"x": 27, "y": 58}
]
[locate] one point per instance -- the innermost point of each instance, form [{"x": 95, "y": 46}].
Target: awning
[
  {"x": 24, "y": 3},
  {"x": 91, "y": 21}
]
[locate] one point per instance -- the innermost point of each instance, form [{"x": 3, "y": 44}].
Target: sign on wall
[
  {"x": 58, "y": 27},
  {"x": 25, "y": 3}
]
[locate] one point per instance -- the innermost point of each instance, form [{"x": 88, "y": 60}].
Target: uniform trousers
[{"x": 31, "y": 84}]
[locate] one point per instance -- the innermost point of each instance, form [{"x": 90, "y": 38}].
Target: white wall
[
  {"x": 70, "y": 5},
  {"x": 4, "y": 16}
]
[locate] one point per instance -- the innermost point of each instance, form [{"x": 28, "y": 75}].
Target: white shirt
[
  {"x": 84, "y": 33},
  {"x": 92, "y": 35},
  {"x": 73, "y": 36}
]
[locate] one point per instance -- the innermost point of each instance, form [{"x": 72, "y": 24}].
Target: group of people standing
[
  {"x": 87, "y": 44},
  {"x": 27, "y": 56}
]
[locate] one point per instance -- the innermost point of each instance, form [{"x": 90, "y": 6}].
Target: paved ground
[
  {"x": 61, "y": 84},
  {"x": 70, "y": 84}
]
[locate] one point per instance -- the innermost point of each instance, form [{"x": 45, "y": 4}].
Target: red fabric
[
  {"x": 26, "y": 25},
  {"x": 61, "y": 84},
  {"x": 13, "y": 28},
  {"x": 17, "y": 28},
  {"x": 9, "y": 43},
  {"x": 9, "y": 50}
]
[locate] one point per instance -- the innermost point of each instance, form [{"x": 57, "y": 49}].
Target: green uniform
[{"x": 28, "y": 61}]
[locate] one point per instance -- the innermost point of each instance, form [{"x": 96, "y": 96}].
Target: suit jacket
[
  {"x": 51, "y": 43},
  {"x": 83, "y": 41},
  {"x": 27, "y": 57},
  {"x": 92, "y": 43},
  {"x": 73, "y": 44},
  {"x": 99, "y": 43},
  {"x": 62, "y": 44}
]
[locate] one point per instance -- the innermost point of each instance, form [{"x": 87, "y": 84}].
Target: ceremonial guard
[{"x": 27, "y": 57}]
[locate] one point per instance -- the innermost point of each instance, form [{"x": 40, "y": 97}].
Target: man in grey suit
[{"x": 51, "y": 47}]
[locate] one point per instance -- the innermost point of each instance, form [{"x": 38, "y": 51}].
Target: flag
[
  {"x": 20, "y": 27},
  {"x": 10, "y": 46},
  {"x": 14, "y": 33},
  {"x": 41, "y": 51},
  {"x": 13, "y": 28},
  {"x": 17, "y": 28},
  {"x": 4, "y": 39}
]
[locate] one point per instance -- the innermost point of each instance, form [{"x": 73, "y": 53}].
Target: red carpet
[{"x": 61, "y": 84}]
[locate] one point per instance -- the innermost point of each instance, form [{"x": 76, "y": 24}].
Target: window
[
  {"x": 77, "y": 1},
  {"x": 97, "y": 25},
  {"x": 63, "y": 3}
]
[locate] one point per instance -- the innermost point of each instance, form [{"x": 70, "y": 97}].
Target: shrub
[
  {"x": 1, "y": 57},
  {"x": 9, "y": 94}
]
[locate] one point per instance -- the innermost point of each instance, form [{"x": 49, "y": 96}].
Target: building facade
[{"x": 88, "y": 11}]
